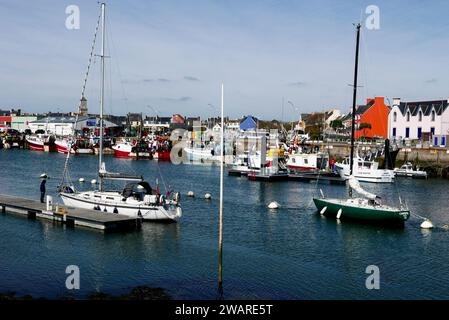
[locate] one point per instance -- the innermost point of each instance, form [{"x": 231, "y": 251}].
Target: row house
[{"x": 420, "y": 120}]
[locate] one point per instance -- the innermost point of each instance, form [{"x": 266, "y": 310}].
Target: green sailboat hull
[{"x": 369, "y": 213}]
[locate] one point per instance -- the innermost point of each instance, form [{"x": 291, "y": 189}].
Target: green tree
[
  {"x": 363, "y": 126},
  {"x": 336, "y": 124}
]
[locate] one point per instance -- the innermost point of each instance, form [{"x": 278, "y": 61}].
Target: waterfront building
[
  {"x": 375, "y": 117},
  {"x": 63, "y": 126},
  {"x": 420, "y": 120},
  {"x": 21, "y": 123}
]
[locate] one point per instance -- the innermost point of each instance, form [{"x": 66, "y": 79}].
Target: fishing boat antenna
[
  {"x": 100, "y": 156},
  {"x": 354, "y": 98}
]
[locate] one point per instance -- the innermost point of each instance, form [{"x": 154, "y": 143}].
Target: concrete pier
[{"x": 72, "y": 217}]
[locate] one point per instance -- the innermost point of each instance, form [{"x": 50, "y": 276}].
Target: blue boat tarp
[{"x": 249, "y": 123}]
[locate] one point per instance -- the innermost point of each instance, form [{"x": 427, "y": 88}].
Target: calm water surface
[{"x": 291, "y": 253}]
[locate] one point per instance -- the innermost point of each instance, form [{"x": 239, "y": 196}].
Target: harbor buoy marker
[
  {"x": 191, "y": 194},
  {"x": 207, "y": 196},
  {"x": 93, "y": 181},
  {"x": 427, "y": 224},
  {"x": 81, "y": 180},
  {"x": 273, "y": 205}
]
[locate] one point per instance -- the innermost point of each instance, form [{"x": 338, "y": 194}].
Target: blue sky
[{"x": 173, "y": 55}]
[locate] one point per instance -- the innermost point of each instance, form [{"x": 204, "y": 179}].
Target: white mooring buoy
[
  {"x": 93, "y": 181},
  {"x": 190, "y": 194},
  {"x": 207, "y": 196},
  {"x": 427, "y": 224},
  {"x": 273, "y": 205},
  {"x": 323, "y": 210},
  {"x": 81, "y": 179},
  {"x": 339, "y": 213}
]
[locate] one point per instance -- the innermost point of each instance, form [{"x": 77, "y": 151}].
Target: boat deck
[{"x": 69, "y": 216}]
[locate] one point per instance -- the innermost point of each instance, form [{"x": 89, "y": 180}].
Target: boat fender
[
  {"x": 339, "y": 213},
  {"x": 161, "y": 199},
  {"x": 177, "y": 197},
  {"x": 323, "y": 210},
  {"x": 115, "y": 210}
]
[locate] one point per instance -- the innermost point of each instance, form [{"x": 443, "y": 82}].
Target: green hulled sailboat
[{"x": 367, "y": 207}]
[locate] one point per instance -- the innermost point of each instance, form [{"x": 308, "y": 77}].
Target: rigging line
[
  {"x": 91, "y": 55},
  {"x": 114, "y": 51},
  {"x": 83, "y": 90}
]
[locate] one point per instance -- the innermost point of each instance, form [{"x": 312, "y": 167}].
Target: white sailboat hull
[{"x": 112, "y": 203}]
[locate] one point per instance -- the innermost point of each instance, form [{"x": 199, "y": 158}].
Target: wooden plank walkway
[{"x": 70, "y": 216}]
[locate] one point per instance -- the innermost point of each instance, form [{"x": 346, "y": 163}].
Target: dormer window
[
  {"x": 408, "y": 116},
  {"x": 432, "y": 116},
  {"x": 420, "y": 115}
]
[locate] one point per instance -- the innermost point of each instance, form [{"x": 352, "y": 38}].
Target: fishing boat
[
  {"x": 364, "y": 170},
  {"x": 133, "y": 150},
  {"x": 37, "y": 142},
  {"x": 406, "y": 170},
  {"x": 367, "y": 207},
  {"x": 300, "y": 162},
  {"x": 79, "y": 146},
  {"x": 201, "y": 153},
  {"x": 137, "y": 199}
]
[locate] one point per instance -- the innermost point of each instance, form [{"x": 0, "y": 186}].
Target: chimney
[{"x": 396, "y": 101}]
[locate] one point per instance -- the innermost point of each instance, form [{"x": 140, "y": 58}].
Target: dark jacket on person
[{"x": 43, "y": 185}]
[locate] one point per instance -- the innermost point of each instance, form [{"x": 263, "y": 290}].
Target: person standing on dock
[{"x": 42, "y": 187}]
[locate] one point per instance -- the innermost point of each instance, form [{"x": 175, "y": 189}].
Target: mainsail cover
[{"x": 355, "y": 185}]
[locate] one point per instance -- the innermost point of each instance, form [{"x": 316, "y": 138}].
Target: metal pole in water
[{"x": 220, "y": 236}]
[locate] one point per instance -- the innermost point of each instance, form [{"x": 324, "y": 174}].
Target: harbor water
[{"x": 289, "y": 253}]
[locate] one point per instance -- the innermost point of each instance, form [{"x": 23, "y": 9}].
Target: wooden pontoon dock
[{"x": 72, "y": 217}]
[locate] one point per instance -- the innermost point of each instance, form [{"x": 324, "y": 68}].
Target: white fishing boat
[
  {"x": 134, "y": 150},
  {"x": 406, "y": 170},
  {"x": 201, "y": 153},
  {"x": 79, "y": 146},
  {"x": 137, "y": 199},
  {"x": 37, "y": 142},
  {"x": 365, "y": 171},
  {"x": 308, "y": 161}
]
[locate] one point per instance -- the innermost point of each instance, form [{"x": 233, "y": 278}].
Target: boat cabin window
[
  {"x": 109, "y": 198},
  {"x": 306, "y": 161}
]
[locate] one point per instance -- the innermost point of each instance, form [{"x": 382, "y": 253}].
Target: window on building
[
  {"x": 408, "y": 116},
  {"x": 419, "y": 133},
  {"x": 395, "y": 116},
  {"x": 407, "y": 132},
  {"x": 433, "y": 115},
  {"x": 432, "y": 130},
  {"x": 394, "y": 132},
  {"x": 420, "y": 115}
]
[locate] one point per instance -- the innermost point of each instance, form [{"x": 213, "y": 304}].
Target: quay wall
[{"x": 434, "y": 160}]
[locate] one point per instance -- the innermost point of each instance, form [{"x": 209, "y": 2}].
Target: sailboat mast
[
  {"x": 354, "y": 98},
  {"x": 220, "y": 236},
  {"x": 100, "y": 156}
]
